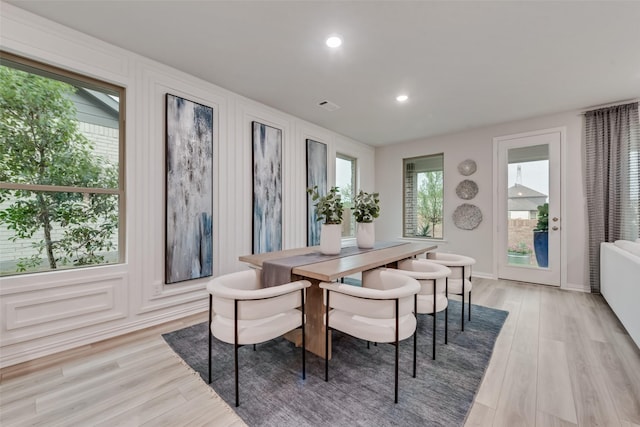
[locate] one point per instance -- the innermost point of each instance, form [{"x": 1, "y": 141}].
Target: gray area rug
[{"x": 360, "y": 387}]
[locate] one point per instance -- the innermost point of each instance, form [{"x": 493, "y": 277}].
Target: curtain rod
[{"x": 611, "y": 104}]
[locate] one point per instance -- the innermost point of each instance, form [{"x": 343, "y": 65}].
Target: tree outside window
[
  {"x": 346, "y": 181},
  {"x": 430, "y": 190},
  {"x": 59, "y": 190},
  {"x": 423, "y": 196}
]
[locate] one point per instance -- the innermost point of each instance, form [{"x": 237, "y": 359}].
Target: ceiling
[{"x": 463, "y": 64}]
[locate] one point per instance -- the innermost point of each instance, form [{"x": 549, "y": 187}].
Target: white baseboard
[
  {"x": 569, "y": 286},
  {"x": 482, "y": 275},
  {"x": 577, "y": 287}
]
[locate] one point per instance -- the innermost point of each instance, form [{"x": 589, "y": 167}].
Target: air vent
[{"x": 328, "y": 105}]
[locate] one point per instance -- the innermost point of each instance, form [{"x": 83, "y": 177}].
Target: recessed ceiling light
[
  {"x": 334, "y": 41},
  {"x": 401, "y": 98}
]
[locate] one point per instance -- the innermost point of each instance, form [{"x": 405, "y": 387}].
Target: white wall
[
  {"x": 478, "y": 145},
  {"x": 45, "y": 313}
]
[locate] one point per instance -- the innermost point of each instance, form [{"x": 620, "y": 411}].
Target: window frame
[
  {"x": 405, "y": 161},
  {"x": 354, "y": 187},
  {"x": 55, "y": 73}
]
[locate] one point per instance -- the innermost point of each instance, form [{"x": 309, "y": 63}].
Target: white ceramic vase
[
  {"x": 365, "y": 235},
  {"x": 331, "y": 239}
]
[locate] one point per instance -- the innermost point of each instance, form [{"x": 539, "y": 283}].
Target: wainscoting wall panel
[
  {"x": 39, "y": 314},
  {"x": 45, "y": 313},
  {"x": 44, "y": 310},
  {"x": 26, "y": 34}
]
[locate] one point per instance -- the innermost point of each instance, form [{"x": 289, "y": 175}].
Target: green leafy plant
[
  {"x": 521, "y": 248},
  {"x": 424, "y": 230},
  {"x": 543, "y": 218},
  {"x": 366, "y": 206},
  {"x": 329, "y": 206}
]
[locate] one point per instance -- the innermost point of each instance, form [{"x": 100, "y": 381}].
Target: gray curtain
[{"x": 612, "y": 154}]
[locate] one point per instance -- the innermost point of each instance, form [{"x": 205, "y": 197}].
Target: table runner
[{"x": 278, "y": 271}]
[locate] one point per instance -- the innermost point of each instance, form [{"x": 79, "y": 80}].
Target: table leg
[{"x": 314, "y": 310}]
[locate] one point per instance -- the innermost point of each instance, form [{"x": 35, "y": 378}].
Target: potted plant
[
  {"x": 519, "y": 253},
  {"x": 541, "y": 236},
  {"x": 329, "y": 211},
  {"x": 366, "y": 208}
]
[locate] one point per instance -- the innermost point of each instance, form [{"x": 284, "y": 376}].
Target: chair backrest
[
  {"x": 454, "y": 261},
  {"x": 382, "y": 279},
  {"x": 245, "y": 280},
  {"x": 377, "y": 284},
  {"x": 427, "y": 273},
  {"x": 241, "y": 286},
  {"x": 437, "y": 271}
]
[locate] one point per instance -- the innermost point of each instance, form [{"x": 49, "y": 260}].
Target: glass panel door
[
  {"x": 529, "y": 208},
  {"x": 527, "y": 205}
]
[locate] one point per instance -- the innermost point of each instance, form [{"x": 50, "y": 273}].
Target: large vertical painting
[
  {"x": 316, "y": 175},
  {"x": 189, "y": 186},
  {"x": 267, "y": 188}
]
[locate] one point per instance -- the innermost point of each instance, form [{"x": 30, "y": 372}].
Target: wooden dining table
[{"x": 329, "y": 271}]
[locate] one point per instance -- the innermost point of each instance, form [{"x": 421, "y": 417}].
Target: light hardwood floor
[{"x": 562, "y": 359}]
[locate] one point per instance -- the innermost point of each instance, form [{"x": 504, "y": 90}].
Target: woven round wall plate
[
  {"x": 467, "y": 216},
  {"x": 467, "y": 167},
  {"x": 467, "y": 189}
]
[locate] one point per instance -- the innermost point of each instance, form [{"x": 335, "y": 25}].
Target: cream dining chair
[
  {"x": 241, "y": 312},
  {"x": 433, "y": 295},
  {"x": 460, "y": 278},
  {"x": 380, "y": 311}
]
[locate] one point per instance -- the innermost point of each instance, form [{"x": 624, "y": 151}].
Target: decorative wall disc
[
  {"x": 467, "y": 189},
  {"x": 467, "y": 216},
  {"x": 467, "y": 167}
]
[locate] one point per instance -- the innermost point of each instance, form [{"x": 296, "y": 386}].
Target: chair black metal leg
[
  {"x": 415, "y": 333},
  {"x": 304, "y": 347},
  {"x": 446, "y": 311},
  {"x": 209, "y": 327},
  {"x": 463, "y": 309},
  {"x": 397, "y": 349},
  {"x": 470, "y": 270},
  {"x": 463, "y": 298},
  {"x": 326, "y": 340},
  {"x": 434, "y": 320},
  {"x": 235, "y": 348},
  {"x": 415, "y": 351},
  {"x": 235, "y": 360}
]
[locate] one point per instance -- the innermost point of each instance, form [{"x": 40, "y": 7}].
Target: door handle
[
  {"x": 554, "y": 228},
  {"x": 555, "y": 219}
]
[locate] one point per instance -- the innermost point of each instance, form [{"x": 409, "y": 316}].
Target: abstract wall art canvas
[
  {"x": 267, "y": 188},
  {"x": 189, "y": 190},
  {"x": 316, "y": 175}
]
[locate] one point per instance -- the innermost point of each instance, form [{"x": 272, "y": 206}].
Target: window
[
  {"x": 346, "y": 181},
  {"x": 423, "y": 196},
  {"x": 61, "y": 169}
]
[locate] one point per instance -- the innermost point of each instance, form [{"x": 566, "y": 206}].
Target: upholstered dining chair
[
  {"x": 433, "y": 296},
  {"x": 460, "y": 278},
  {"x": 380, "y": 311},
  {"x": 241, "y": 312}
]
